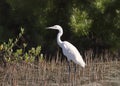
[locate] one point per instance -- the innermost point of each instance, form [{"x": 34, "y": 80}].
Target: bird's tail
[{"x": 81, "y": 62}]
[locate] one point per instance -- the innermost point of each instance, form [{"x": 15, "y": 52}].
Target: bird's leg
[
  {"x": 74, "y": 74},
  {"x": 69, "y": 70},
  {"x": 75, "y": 68}
]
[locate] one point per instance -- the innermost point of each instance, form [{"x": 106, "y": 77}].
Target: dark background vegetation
[{"x": 88, "y": 24}]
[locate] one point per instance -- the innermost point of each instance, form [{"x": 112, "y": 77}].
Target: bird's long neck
[{"x": 59, "y": 41}]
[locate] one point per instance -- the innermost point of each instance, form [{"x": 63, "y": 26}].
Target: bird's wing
[
  {"x": 72, "y": 53},
  {"x": 69, "y": 50}
]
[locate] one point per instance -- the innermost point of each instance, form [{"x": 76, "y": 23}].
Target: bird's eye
[{"x": 55, "y": 26}]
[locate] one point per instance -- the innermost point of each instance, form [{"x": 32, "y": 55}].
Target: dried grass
[{"x": 96, "y": 73}]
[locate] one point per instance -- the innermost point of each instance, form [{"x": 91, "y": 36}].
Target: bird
[{"x": 69, "y": 50}]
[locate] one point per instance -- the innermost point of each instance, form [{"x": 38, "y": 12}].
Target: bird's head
[{"x": 55, "y": 27}]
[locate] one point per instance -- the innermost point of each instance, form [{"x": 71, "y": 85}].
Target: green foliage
[
  {"x": 117, "y": 19},
  {"x": 80, "y": 22},
  {"x": 9, "y": 46},
  {"x": 32, "y": 53},
  {"x": 102, "y": 4},
  {"x": 19, "y": 54},
  {"x": 95, "y": 23}
]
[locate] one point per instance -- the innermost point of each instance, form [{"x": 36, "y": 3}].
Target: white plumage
[
  {"x": 72, "y": 53},
  {"x": 68, "y": 49}
]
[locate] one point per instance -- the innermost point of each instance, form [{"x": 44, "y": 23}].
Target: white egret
[{"x": 68, "y": 49}]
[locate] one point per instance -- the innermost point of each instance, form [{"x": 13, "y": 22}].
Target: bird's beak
[
  {"x": 47, "y": 28},
  {"x": 50, "y": 27}
]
